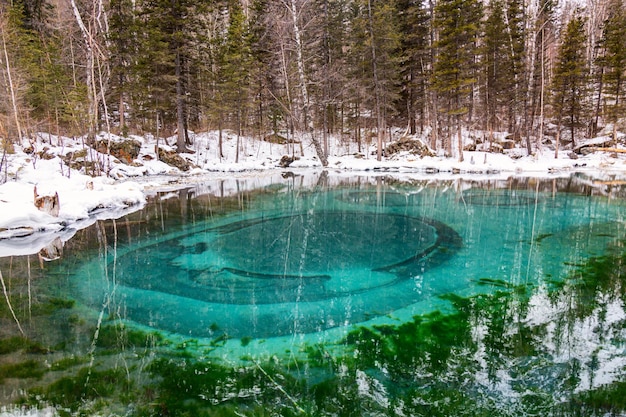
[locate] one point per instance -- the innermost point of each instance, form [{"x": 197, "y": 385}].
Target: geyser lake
[{"x": 323, "y": 294}]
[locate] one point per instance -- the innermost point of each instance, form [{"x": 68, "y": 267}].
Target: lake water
[{"x": 322, "y": 295}]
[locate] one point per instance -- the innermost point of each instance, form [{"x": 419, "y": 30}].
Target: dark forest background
[{"x": 316, "y": 67}]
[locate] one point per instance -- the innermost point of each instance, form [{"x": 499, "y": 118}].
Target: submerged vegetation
[
  {"x": 486, "y": 355},
  {"x": 552, "y": 346}
]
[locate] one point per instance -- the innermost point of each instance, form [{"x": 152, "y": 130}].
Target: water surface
[{"x": 374, "y": 281}]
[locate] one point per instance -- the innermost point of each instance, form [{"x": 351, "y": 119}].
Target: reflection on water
[{"x": 332, "y": 297}]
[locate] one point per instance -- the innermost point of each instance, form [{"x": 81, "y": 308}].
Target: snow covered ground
[{"x": 41, "y": 165}]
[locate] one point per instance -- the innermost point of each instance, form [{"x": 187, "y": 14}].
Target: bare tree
[
  {"x": 11, "y": 86},
  {"x": 294, "y": 11}
]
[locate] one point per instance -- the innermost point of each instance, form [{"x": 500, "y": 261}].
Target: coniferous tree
[
  {"x": 357, "y": 89},
  {"x": 374, "y": 41},
  {"x": 613, "y": 62},
  {"x": 168, "y": 43},
  {"x": 570, "y": 80},
  {"x": 496, "y": 71},
  {"x": 516, "y": 42},
  {"x": 328, "y": 68},
  {"x": 502, "y": 65},
  {"x": 43, "y": 87},
  {"x": 262, "y": 76},
  {"x": 123, "y": 50},
  {"x": 11, "y": 100},
  {"x": 235, "y": 68},
  {"x": 454, "y": 75},
  {"x": 415, "y": 63}
]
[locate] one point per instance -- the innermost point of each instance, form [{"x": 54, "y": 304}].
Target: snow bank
[{"x": 43, "y": 162}]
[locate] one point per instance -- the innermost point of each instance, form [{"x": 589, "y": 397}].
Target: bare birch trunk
[
  {"x": 380, "y": 122},
  {"x": 11, "y": 88},
  {"x": 308, "y": 123},
  {"x": 89, "y": 69},
  {"x": 181, "y": 145}
]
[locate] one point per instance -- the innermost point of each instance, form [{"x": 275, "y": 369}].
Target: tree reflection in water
[{"x": 550, "y": 345}]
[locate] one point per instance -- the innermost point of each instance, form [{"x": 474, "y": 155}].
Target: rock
[
  {"x": 508, "y": 144},
  {"x": 44, "y": 154},
  {"x": 47, "y": 203},
  {"x": 174, "y": 159},
  {"x": 126, "y": 151},
  {"x": 276, "y": 138},
  {"x": 286, "y": 160},
  {"x": 52, "y": 251},
  {"x": 406, "y": 144}
]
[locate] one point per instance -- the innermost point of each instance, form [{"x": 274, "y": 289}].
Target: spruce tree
[
  {"x": 235, "y": 68},
  {"x": 613, "y": 62},
  {"x": 454, "y": 75},
  {"x": 46, "y": 93},
  {"x": 570, "y": 79},
  {"x": 414, "y": 63},
  {"x": 516, "y": 41},
  {"x": 123, "y": 51},
  {"x": 167, "y": 45},
  {"x": 373, "y": 46},
  {"x": 542, "y": 37},
  {"x": 495, "y": 63},
  {"x": 328, "y": 64}
]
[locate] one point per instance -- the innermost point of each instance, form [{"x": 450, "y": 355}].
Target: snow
[
  {"x": 120, "y": 188},
  {"x": 24, "y": 412}
]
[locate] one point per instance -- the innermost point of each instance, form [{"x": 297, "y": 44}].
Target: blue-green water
[
  {"x": 303, "y": 261},
  {"x": 367, "y": 296}
]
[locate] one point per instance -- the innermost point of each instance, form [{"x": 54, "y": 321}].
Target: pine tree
[
  {"x": 454, "y": 75},
  {"x": 570, "y": 79}
]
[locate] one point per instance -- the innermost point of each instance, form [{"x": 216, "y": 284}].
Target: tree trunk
[
  {"x": 558, "y": 139},
  {"x": 89, "y": 69},
  {"x": 379, "y": 117},
  {"x": 12, "y": 89},
  {"x": 303, "y": 85},
  {"x": 180, "y": 106},
  {"x": 459, "y": 133}
]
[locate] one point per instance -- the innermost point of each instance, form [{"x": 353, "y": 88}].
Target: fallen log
[{"x": 616, "y": 150}]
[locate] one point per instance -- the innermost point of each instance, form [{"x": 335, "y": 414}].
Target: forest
[{"x": 354, "y": 68}]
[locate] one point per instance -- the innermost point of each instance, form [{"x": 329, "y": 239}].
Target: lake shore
[{"x": 50, "y": 166}]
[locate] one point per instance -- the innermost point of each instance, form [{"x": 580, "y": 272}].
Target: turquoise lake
[{"x": 368, "y": 295}]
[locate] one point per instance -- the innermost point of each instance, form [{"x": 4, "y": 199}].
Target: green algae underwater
[{"x": 539, "y": 332}]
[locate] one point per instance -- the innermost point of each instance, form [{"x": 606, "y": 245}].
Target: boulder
[
  {"x": 276, "y": 138},
  {"x": 287, "y": 160},
  {"x": 407, "y": 144},
  {"x": 173, "y": 159},
  {"x": 47, "y": 203},
  {"x": 508, "y": 144},
  {"x": 126, "y": 150}
]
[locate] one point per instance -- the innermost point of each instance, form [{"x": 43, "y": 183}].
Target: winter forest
[{"x": 353, "y": 68}]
